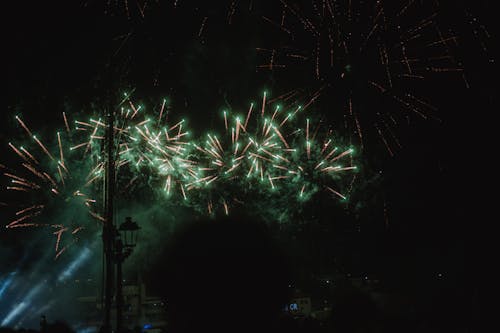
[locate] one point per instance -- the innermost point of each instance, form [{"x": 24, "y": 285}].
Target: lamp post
[
  {"x": 125, "y": 242},
  {"x": 109, "y": 229},
  {"x": 110, "y": 234}
]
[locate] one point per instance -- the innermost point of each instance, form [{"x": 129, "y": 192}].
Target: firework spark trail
[
  {"x": 66, "y": 124},
  {"x": 202, "y": 26},
  {"x": 481, "y": 34},
  {"x": 31, "y": 157},
  {"x": 352, "y": 49},
  {"x": 18, "y": 152},
  {"x": 24, "y": 126}
]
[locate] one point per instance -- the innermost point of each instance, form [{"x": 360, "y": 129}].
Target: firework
[
  {"x": 219, "y": 167},
  {"x": 264, "y": 155},
  {"x": 50, "y": 180},
  {"x": 320, "y": 163},
  {"x": 359, "y": 54},
  {"x": 164, "y": 150},
  {"x": 58, "y": 179},
  {"x": 316, "y": 163},
  {"x": 148, "y": 148}
]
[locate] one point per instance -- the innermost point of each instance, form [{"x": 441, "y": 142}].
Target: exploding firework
[
  {"x": 147, "y": 149},
  {"x": 361, "y": 54},
  {"x": 219, "y": 169},
  {"x": 250, "y": 149},
  {"x": 49, "y": 179},
  {"x": 264, "y": 155},
  {"x": 318, "y": 162},
  {"x": 162, "y": 152}
]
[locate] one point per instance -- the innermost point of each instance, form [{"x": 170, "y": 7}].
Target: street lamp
[
  {"x": 128, "y": 232},
  {"x": 126, "y": 240}
]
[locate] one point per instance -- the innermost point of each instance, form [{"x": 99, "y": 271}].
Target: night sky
[{"x": 414, "y": 219}]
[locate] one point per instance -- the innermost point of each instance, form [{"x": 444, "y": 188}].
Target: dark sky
[{"x": 73, "y": 53}]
